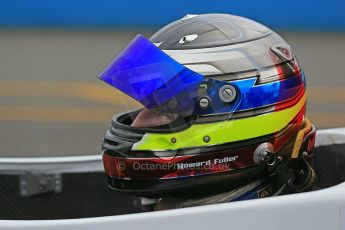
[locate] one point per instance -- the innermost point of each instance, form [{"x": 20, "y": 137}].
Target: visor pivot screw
[
  {"x": 204, "y": 103},
  {"x": 227, "y": 93},
  {"x": 206, "y": 139},
  {"x": 173, "y": 140}
]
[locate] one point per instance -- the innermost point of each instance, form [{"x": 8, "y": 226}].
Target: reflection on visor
[{"x": 150, "y": 76}]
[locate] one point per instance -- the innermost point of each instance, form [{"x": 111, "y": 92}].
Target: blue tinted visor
[{"x": 151, "y": 77}]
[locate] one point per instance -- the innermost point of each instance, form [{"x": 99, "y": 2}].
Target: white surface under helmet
[{"x": 323, "y": 209}]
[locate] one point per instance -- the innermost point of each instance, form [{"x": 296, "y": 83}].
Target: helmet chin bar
[
  {"x": 131, "y": 173},
  {"x": 287, "y": 176}
]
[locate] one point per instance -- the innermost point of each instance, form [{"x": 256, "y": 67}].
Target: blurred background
[{"x": 52, "y": 104}]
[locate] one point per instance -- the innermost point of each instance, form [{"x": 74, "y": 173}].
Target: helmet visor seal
[{"x": 151, "y": 77}]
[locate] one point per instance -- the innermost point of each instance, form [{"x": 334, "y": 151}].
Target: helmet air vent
[{"x": 188, "y": 39}]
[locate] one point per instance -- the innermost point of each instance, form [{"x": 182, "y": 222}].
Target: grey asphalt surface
[{"x": 52, "y": 104}]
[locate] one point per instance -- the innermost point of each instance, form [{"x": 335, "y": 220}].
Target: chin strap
[
  {"x": 289, "y": 180},
  {"x": 295, "y": 174}
]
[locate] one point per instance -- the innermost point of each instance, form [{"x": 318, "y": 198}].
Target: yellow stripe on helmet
[{"x": 221, "y": 132}]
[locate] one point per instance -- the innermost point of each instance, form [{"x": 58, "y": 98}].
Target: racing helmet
[{"x": 224, "y": 103}]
